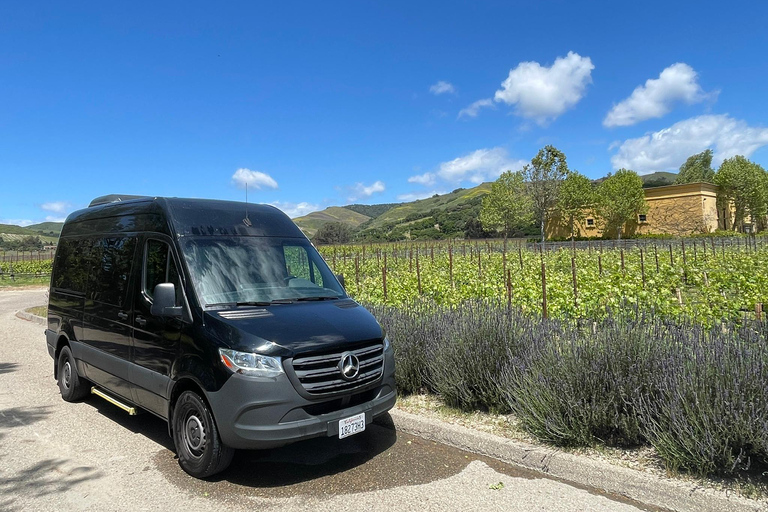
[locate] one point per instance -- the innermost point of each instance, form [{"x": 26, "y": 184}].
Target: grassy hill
[
  {"x": 47, "y": 228},
  {"x": 658, "y": 179},
  {"x": 310, "y": 223},
  {"x": 10, "y": 232}
]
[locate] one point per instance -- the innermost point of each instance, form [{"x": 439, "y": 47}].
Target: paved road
[{"x": 92, "y": 456}]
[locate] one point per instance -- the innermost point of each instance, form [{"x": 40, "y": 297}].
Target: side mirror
[
  {"x": 164, "y": 302},
  {"x": 340, "y": 277}
]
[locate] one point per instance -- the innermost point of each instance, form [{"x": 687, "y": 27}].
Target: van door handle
[
  {"x": 141, "y": 321},
  {"x": 122, "y": 315}
]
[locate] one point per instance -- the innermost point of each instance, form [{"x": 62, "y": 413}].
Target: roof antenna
[{"x": 246, "y": 220}]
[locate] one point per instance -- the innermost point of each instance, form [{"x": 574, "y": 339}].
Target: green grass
[
  {"x": 19, "y": 282},
  {"x": 38, "y": 311}
]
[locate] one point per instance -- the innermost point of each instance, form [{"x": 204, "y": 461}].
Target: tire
[
  {"x": 198, "y": 445},
  {"x": 71, "y": 385}
]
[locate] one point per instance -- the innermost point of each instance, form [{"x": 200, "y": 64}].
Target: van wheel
[
  {"x": 71, "y": 385},
  {"x": 198, "y": 445}
]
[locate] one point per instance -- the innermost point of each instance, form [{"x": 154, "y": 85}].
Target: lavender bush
[{"x": 698, "y": 396}]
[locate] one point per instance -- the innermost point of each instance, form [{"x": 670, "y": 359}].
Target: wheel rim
[
  {"x": 67, "y": 374},
  {"x": 194, "y": 435}
]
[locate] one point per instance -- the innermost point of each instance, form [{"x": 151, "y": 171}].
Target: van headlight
[
  {"x": 387, "y": 344},
  {"x": 246, "y": 363}
]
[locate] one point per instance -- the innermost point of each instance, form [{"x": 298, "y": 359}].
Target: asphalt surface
[{"x": 92, "y": 456}]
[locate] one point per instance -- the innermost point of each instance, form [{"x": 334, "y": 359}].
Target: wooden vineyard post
[
  {"x": 575, "y": 288},
  {"x": 479, "y": 265},
  {"x": 384, "y": 276},
  {"x": 509, "y": 289},
  {"x": 758, "y": 311},
  {"x": 543, "y": 289},
  {"x": 622, "y": 258},
  {"x": 410, "y": 260},
  {"x": 418, "y": 273},
  {"x": 671, "y": 257},
  {"x": 450, "y": 264},
  {"x": 722, "y": 246},
  {"x": 432, "y": 253},
  {"x": 642, "y": 266},
  {"x": 357, "y": 272},
  {"x": 685, "y": 270},
  {"x": 520, "y": 255},
  {"x": 600, "y": 263},
  {"x": 504, "y": 256},
  {"x": 656, "y": 255},
  {"x": 695, "y": 259},
  {"x": 712, "y": 241}
]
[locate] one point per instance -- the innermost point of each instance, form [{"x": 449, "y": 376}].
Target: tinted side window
[
  {"x": 297, "y": 264},
  {"x": 72, "y": 265},
  {"x": 111, "y": 259},
  {"x": 159, "y": 267}
]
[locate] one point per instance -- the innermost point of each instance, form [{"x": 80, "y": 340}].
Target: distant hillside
[
  {"x": 658, "y": 179},
  {"x": 310, "y": 223},
  {"x": 10, "y": 232},
  {"x": 47, "y": 228},
  {"x": 371, "y": 210}
]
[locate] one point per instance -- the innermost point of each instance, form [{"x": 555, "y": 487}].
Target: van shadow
[
  {"x": 143, "y": 423},
  {"x": 306, "y": 461}
]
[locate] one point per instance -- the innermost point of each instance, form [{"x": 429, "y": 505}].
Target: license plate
[{"x": 352, "y": 425}]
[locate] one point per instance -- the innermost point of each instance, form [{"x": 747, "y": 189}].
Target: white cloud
[
  {"x": 53, "y": 218},
  {"x": 479, "y": 166},
  {"x": 658, "y": 95},
  {"x": 294, "y": 210},
  {"x": 56, "y": 206},
  {"x": 414, "y": 196},
  {"x": 359, "y": 190},
  {"x": 474, "y": 109},
  {"x": 543, "y": 93},
  {"x": 442, "y": 87},
  {"x": 667, "y": 149},
  {"x": 428, "y": 178},
  {"x": 254, "y": 179},
  {"x": 17, "y": 222}
]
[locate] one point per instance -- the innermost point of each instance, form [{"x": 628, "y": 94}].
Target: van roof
[{"x": 179, "y": 216}]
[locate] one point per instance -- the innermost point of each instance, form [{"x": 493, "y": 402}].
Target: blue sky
[{"x": 324, "y": 103}]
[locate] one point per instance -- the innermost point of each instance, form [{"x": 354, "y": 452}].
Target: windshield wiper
[
  {"x": 325, "y": 297},
  {"x": 250, "y": 303}
]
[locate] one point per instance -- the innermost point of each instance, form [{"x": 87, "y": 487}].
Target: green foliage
[
  {"x": 21, "y": 243},
  {"x": 620, "y": 198},
  {"x": 544, "y": 175},
  {"x": 575, "y": 199},
  {"x": 508, "y": 205},
  {"x": 333, "y": 233},
  {"x": 371, "y": 210},
  {"x": 697, "y": 168},
  {"x": 720, "y": 279},
  {"x": 743, "y": 184}
]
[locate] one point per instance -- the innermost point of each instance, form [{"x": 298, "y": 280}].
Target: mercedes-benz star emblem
[{"x": 349, "y": 366}]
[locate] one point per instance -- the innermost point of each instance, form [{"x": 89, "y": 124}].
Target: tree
[
  {"x": 575, "y": 199},
  {"x": 473, "y": 228},
  {"x": 697, "y": 168},
  {"x": 333, "y": 233},
  {"x": 620, "y": 198},
  {"x": 507, "y": 205},
  {"x": 544, "y": 175},
  {"x": 744, "y": 186}
]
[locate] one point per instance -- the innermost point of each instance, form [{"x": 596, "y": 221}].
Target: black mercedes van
[{"x": 219, "y": 317}]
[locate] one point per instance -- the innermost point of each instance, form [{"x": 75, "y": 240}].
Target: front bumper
[{"x": 257, "y": 413}]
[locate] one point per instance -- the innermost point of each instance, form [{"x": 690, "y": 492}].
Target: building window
[
  {"x": 642, "y": 218},
  {"x": 590, "y": 222}
]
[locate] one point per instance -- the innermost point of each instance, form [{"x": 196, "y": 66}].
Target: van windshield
[{"x": 254, "y": 270}]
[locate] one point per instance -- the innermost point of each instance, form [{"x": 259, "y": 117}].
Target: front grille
[{"x": 319, "y": 374}]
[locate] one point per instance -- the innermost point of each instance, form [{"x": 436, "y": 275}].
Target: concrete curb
[
  {"x": 32, "y": 318},
  {"x": 645, "y": 488}
]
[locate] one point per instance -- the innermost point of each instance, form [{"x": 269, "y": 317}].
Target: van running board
[{"x": 114, "y": 401}]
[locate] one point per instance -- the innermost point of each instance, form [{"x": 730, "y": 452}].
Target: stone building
[{"x": 672, "y": 209}]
